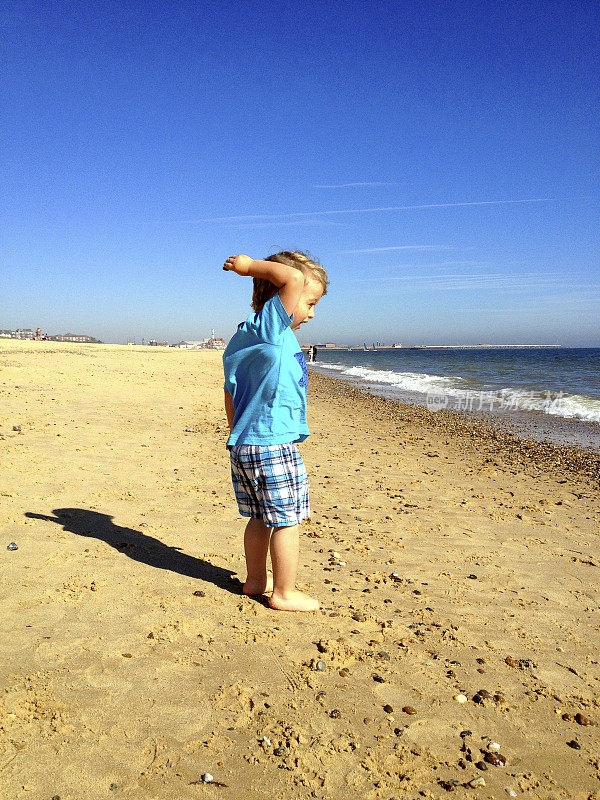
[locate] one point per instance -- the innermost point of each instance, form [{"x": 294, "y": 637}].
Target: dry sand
[{"x": 131, "y": 664}]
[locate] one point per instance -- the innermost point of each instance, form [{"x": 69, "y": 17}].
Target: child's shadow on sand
[{"x": 140, "y": 547}]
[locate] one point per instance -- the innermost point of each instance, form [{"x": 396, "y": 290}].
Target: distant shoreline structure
[{"x": 329, "y": 347}]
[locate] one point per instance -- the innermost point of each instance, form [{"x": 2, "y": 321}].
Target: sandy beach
[{"x": 457, "y": 569}]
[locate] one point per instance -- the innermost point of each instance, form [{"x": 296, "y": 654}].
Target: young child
[{"x": 265, "y": 400}]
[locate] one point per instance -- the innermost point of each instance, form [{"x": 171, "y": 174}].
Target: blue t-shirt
[{"x": 265, "y": 373}]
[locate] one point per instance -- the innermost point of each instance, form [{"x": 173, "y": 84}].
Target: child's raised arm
[{"x": 290, "y": 281}]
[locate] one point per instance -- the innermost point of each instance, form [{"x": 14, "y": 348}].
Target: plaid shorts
[{"x": 270, "y": 483}]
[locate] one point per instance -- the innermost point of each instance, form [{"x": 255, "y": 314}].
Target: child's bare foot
[
  {"x": 293, "y": 601},
  {"x": 259, "y": 587}
]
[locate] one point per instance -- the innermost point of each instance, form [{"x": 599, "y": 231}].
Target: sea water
[{"x": 544, "y": 393}]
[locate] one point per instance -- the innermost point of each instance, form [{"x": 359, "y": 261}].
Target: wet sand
[{"x": 449, "y": 558}]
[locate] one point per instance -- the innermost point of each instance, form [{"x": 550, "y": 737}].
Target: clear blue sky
[{"x": 440, "y": 158}]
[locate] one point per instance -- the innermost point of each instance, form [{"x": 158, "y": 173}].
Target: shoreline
[
  {"x": 486, "y": 435},
  {"x": 523, "y": 423}
]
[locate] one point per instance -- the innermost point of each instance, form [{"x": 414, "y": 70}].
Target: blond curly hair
[{"x": 264, "y": 290}]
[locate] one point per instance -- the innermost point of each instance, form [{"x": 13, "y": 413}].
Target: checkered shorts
[{"x": 270, "y": 483}]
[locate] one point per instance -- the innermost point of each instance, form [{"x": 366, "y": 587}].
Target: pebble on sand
[
  {"x": 207, "y": 777},
  {"x": 409, "y": 710},
  {"x": 476, "y": 782},
  {"x": 461, "y": 698},
  {"x": 496, "y": 759}
]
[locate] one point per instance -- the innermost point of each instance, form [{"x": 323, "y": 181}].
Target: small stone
[
  {"x": 335, "y": 714},
  {"x": 279, "y": 751},
  {"x": 510, "y": 792},
  {"x": 388, "y": 709},
  {"x": 359, "y": 616},
  {"x": 574, "y": 744},
  {"x": 199, "y": 593},
  {"x": 493, "y": 747},
  {"x": 495, "y": 759},
  {"x": 344, "y": 672},
  {"x": 113, "y": 787},
  {"x": 455, "y": 663},
  {"x": 126, "y": 655},
  {"x": 16, "y": 427},
  {"x": 568, "y": 717},
  {"x": 378, "y": 679},
  {"x": 385, "y": 656},
  {"x": 581, "y": 719},
  {"x": 481, "y": 765},
  {"x": 449, "y": 786},
  {"x": 321, "y": 666},
  {"x": 500, "y": 699},
  {"x": 511, "y": 661},
  {"x": 464, "y": 734},
  {"x": 461, "y": 698},
  {"x": 477, "y": 698},
  {"x": 476, "y": 782},
  {"x": 266, "y": 741},
  {"x": 409, "y": 710},
  {"x": 207, "y": 778},
  {"x": 12, "y": 546},
  {"x": 484, "y": 693},
  {"x": 472, "y": 577}
]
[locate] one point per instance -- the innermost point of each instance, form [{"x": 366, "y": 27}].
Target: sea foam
[{"x": 561, "y": 404}]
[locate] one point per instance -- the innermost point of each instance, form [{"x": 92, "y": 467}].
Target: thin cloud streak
[
  {"x": 470, "y": 276},
  {"x": 350, "y": 185},
  {"x": 496, "y": 282},
  {"x": 274, "y": 224},
  {"x": 259, "y": 217},
  {"x": 402, "y": 247},
  {"x": 322, "y": 223}
]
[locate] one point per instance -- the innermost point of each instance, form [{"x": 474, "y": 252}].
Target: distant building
[
  {"x": 24, "y": 333},
  {"x": 212, "y": 343},
  {"x": 190, "y": 344},
  {"x": 154, "y": 343},
  {"x": 73, "y": 337}
]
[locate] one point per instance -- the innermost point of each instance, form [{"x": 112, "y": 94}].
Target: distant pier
[{"x": 386, "y": 347}]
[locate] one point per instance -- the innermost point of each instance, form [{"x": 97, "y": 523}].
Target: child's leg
[
  {"x": 284, "y": 557},
  {"x": 256, "y": 547}
]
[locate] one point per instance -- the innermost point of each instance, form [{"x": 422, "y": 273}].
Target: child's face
[{"x": 305, "y": 310}]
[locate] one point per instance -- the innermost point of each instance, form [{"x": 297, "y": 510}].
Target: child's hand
[{"x": 238, "y": 264}]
